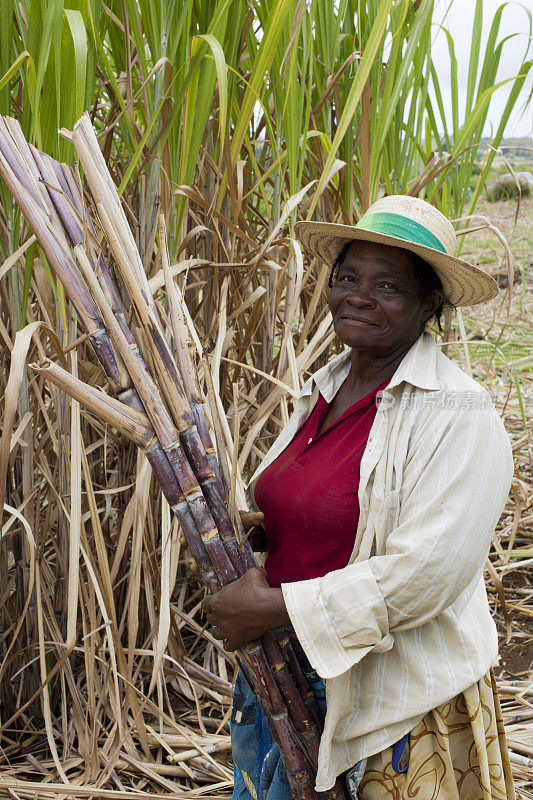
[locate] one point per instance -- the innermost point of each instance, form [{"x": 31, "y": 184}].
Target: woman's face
[{"x": 376, "y": 301}]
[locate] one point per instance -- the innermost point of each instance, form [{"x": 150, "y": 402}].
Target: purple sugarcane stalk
[{"x": 184, "y": 494}]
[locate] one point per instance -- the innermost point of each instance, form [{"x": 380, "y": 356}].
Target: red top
[{"x": 309, "y": 494}]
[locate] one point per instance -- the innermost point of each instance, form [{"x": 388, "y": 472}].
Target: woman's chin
[{"x": 359, "y": 335}]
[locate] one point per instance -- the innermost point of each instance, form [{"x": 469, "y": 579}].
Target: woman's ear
[{"x": 433, "y": 300}]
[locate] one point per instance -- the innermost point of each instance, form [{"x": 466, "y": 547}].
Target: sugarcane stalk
[
  {"x": 55, "y": 192},
  {"x": 68, "y": 205},
  {"x": 49, "y": 180},
  {"x": 130, "y": 423},
  {"x": 56, "y": 256},
  {"x": 136, "y": 426},
  {"x": 128, "y": 260},
  {"x": 281, "y": 695},
  {"x": 67, "y": 200},
  {"x": 167, "y": 457},
  {"x": 306, "y": 693},
  {"x": 172, "y": 389},
  {"x": 70, "y": 186},
  {"x": 40, "y": 218},
  {"x": 297, "y": 707},
  {"x": 16, "y": 150},
  {"x": 107, "y": 357},
  {"x": 104, "y": 191},
  {"x": 299, "y": 773},
  {"x": 163, "y": 426},
  {"x": 131, "y": 268},
  {"x": 249, "y": 558},
  {"x": 293, "y": 700},
  {"x": 185, "y": 364},
  {"x": 167, "y": 373},
  {"x": 163, "y": 471},
  {"x": 298, "y": 697}
]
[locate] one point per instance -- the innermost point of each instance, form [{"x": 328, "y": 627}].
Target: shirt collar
[
  {"x": 329, "y": 379},
  {"x": 417, "y": 367}
]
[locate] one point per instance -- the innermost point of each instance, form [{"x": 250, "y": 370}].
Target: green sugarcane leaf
[
  {"x": 108, "y": 69},
  {"x": 398, "y": 80},
  {"x": 509, "y": 106},
  {"x": 473, "y": 63},
  {"x": 53, "y": 109},
  {"x": 272, "y": 32},
  {"x": 222, "y": 79},
  {"x": 440, "y": 105},
  {"x": 492, "y": 53},
  {"x": 454, "y": 83},
  {"x": 78, "y": 33},
  {"x": 354, "y": 96},
  {"x": 14, "y": 68},
  {"x": 42, "y": 46}
]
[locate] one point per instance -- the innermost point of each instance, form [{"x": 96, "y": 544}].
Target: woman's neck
[{"x": 368, "y": 371}]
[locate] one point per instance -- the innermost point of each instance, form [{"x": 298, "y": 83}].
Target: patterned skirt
[{"x": 457, "y": 752}]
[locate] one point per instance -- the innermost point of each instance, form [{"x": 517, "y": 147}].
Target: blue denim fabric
[{"x": 258, "y": 769}]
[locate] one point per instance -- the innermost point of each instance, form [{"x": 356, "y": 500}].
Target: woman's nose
[{"x": 359, "y": 297}]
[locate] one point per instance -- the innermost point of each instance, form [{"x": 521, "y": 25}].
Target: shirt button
[{"x": 310, "y": 440}]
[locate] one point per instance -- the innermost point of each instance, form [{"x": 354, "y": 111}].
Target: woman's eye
[{"x": 387, "y": 285}]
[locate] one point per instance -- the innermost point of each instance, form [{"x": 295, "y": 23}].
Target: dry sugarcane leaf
[{"x": 17, "y": 369}]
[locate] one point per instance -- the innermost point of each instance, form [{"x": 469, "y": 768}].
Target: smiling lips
[{"x": 360, "y": 320}]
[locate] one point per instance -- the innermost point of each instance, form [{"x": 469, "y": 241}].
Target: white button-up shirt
[{"x": 406, "y": 624}]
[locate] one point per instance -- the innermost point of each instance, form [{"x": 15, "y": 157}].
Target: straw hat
[{"x": 415, "y": 225}]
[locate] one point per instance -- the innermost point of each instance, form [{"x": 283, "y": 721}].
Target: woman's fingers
[
  {"x": 255, "y": 533},
  {"x": 208, "y": 605},
  {"x": 243, "y": 610},
  {"x": 227, "y": 644},
  {"x": 250, "y": 519}
]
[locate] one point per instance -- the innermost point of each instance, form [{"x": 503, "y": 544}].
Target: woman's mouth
[{"x": 357, "y": 321}]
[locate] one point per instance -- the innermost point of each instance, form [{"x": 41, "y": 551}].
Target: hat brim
[{"x": 463, "y": 283}]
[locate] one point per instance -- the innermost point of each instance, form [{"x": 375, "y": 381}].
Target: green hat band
[{"x": 401, "y": 227}]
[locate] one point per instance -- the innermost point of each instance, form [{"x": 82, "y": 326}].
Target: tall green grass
[{"x": 342, "y": 96}]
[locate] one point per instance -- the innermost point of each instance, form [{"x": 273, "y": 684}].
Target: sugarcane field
[{"x": 266, "y": 343}]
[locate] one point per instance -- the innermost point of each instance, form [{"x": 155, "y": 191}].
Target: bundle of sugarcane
[{"x": 158, "y": 401}]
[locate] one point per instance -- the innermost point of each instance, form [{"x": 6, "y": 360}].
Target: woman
[{"x": 378, "y": 520}]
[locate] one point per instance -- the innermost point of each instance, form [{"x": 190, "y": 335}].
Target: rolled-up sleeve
[{"x": 454, "y": 485}]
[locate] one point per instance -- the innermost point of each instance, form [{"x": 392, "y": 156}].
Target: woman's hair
[{"x": 428, "y": 280}]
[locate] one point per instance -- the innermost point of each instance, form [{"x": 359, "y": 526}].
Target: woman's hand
[
  {"x": 252, "y": 522},
  {"x": 245, "y": 610}
]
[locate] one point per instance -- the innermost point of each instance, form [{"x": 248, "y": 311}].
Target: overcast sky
[{"x": 459, "y": 21}]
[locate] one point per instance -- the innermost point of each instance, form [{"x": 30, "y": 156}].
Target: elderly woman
[{"x": 380, "y": 498}]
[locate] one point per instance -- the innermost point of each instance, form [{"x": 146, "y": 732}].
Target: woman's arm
[{"x": 455, "y": 483}]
